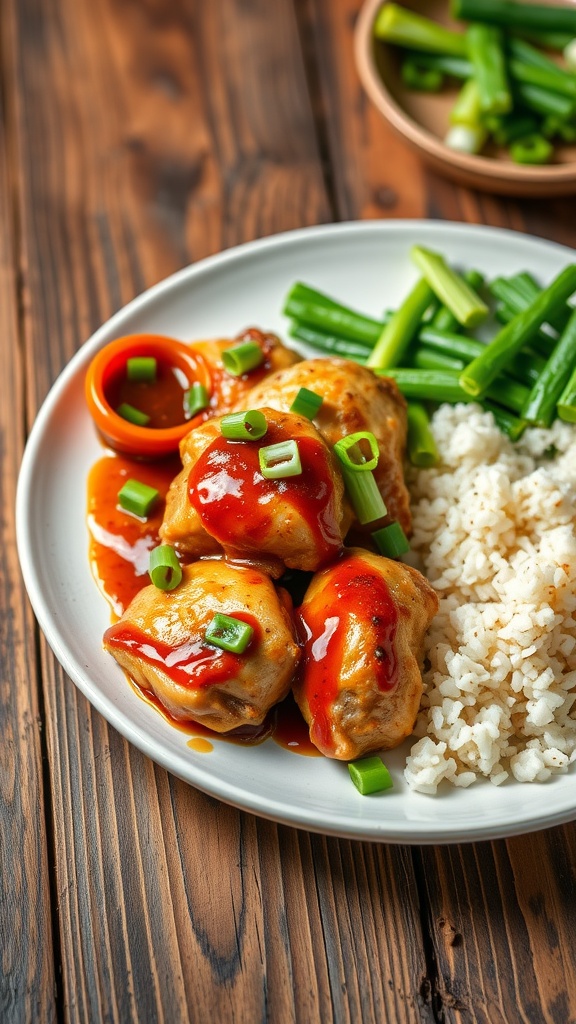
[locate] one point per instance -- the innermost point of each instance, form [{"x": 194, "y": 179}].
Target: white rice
[{"x": 494, "y": 532}]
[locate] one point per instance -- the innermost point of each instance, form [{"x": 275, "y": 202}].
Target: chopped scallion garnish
[
  {"x": 281, "y": 460},
  {"x": 370, "y": 775},
  {"x": 137, "y": 498},
  {"x": 229, "y": 634},
  {"x": 391, "y": 540},
  {"x": 133, "y": 415},
  {"x": 195, "y": 399},
  {"x": 244, "y": 426},
  {"x": 307, "y": 403},
  {"x": 362, "y": 489},
  {"x": 242, "y": 358},
  {"x": 141, "y": 368},
  {"x": 351, "y": 451},
  {"x": 164, "y": 570}
]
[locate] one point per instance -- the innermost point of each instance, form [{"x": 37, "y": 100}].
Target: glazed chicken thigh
[
  {"x": 220, "y": 502},
  {"x": 160, "y": 642},
  {"x": 354, "y": 399},
  {"x": 362, "y": 624}
]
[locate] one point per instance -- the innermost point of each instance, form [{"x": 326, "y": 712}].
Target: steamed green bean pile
[{"x": 525, "y": 374}]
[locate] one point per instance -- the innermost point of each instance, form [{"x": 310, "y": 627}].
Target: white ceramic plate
[{"x": 367, "y": 264}]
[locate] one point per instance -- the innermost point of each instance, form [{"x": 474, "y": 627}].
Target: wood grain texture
[
  {"x": 372, "y": 173},
  {"x": 502, "y": 920},
  {"x": 27, "y": 980},
  {"x": 149, "y": 135}
]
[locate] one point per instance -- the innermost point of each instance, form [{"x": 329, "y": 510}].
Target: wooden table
[{"x": 139, "y": 136}]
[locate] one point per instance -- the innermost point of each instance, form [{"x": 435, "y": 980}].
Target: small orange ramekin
[{"x": 117, "y": 432}]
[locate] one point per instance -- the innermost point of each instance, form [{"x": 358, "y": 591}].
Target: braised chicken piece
[
  {"x": 228, "y": 391},
  {"x": 160, "y": 641},
  {"x": 221, "y": 502},
  {"x": 362, "y": 625},
  {"x": 354, "y": 399}
]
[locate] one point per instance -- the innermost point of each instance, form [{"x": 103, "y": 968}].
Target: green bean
[
  {"x": 498, "y": 354},
  {"x": 567, "y": 402},
  {"x": 330, "y": 343},
  {"x": 334, "y": 320},
  {"x": 540, "y": 406},
  {"x": 400, "y": 330},
  {"x": 525, "y": 367},
  {"x": 450, "y": 287},
  {"x": 422, "y": 450}
]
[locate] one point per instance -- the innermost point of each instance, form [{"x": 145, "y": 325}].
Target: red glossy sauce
[
  {"x": 161, "y": 399},
  {"x": 237, "y": 504},
  {"x": 119, "y": 546},
  {"x": 194, "y": 663},
  {"x": 120, "y": 543},
  {"x": 354, "y": 594},
  {"x": 284, "y": 724}
]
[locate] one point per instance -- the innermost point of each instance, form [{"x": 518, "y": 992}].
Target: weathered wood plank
[
  {"x": 371, "y": 172},
  {"x": 150, "y": 135},
  {"x": 502, "y": 921},
  {"x": 27, "y": 981}
]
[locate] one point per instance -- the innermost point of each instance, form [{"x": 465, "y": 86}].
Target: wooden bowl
[{"x": 422, "y": 118}]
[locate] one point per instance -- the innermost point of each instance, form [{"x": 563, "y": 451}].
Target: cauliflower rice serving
[{"x": 494, "y": 532}]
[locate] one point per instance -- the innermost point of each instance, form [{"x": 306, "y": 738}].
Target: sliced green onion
[
  {"x": 307, "y": 403},
  {"x": 137, "y": 498},
  {"x": 569, "y": 51},
  {"x": 350, "y": 452},
  {"x": 228, "y": 633},
  {"x": 195, "y": 399},
  {"x": 452, "y": 290},
  {"x": 164, "y": 570},
  {"x": 567, "y": 401},
  {"x": 391, "y": 540},
  {"x": 467, "y": 109},
  {"x": 278, "y": 461},
  {"x": 141, "y": 368},
  {"x": 370, "y": 775},
  {"x": 521, "y": 16},
  {"x": 401, "y": 328},
  {"x": 465, "y": 138},
  {"x": 544, "y": 101},
  {"x": 422, "y": 450},
  {"x": 456, "y": 67},
  {"x": 244, "y": 426},
  {"x": 533, "y": 149},
  {"x": 419, "y": 78},
  {"x": 397, "y": 25},
  {"x": 486, "y": 51},
  {"x": 133, "y": 415},
  {"x": 362, "y": 489},
  {"x": 242, "y": 358},
  {"x": 513, "y": 127}
]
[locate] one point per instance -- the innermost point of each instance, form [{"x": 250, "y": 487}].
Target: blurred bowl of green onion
[{"x": 484, "y": 90}]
